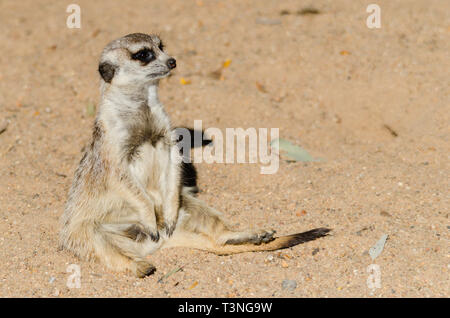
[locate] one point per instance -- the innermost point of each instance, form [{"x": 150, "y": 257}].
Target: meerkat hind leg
[
  {"x": 128, "y": 242},
  {"x": 202, "y": 227},
  {"x": 205, "y": 220}
]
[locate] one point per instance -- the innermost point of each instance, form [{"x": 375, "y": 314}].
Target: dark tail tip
[{"x": 304, "y": 237}]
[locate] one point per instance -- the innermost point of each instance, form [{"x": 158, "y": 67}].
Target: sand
[{"x": 373, "y": 103}]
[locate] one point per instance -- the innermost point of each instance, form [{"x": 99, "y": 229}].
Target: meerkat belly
[{"x": 156, "y": 168}]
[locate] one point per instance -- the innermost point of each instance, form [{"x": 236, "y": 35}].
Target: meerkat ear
[{"x": 107, "y": 71}]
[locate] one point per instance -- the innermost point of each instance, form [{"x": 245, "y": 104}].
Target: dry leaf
[
  {"x": 226, "y": 63},
  {"x": 184, "y": 81},
  {"x": 391, "y": 131},
  {"x": 217, "y": 74},
  {"x": 193, "y": 285},
  {"x": 308, "y": 10},
  {"x": 261, "y": 87},
  {"x": 95, "y": 33},
  {"x": 344, "y": 52},
  {"x": 3, "y": 127}
]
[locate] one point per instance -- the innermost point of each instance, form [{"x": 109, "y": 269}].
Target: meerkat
[{"x": 128, "y": 198}]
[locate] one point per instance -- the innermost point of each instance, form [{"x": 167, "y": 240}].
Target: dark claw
[
  {"x": 169, "y": 229},
  {"x": 154, "y": 236},
  {"x": 265, "y": 237}
]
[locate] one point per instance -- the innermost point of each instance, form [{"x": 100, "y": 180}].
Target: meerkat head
[{"x": 135, "y": 59}]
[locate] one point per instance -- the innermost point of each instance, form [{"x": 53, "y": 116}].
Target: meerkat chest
[{"x": 156, "y": 165}]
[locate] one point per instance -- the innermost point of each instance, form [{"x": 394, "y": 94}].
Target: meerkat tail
[
  {"x": 202, "y": 242},
  {"x": 277, "y": 243}
]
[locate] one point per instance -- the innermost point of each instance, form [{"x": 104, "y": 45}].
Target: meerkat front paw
[
  {"x": 136, "y": 232},
  {"x": 139, "y": 233},
  {"x": 153, "y": 234},
  {"x": 169, "y": 228}
]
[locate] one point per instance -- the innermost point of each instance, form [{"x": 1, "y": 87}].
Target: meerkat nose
[{"x": 171, "y": 63}]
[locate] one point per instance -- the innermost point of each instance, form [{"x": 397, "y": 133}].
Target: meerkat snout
[{"x": 171, "y": 63}]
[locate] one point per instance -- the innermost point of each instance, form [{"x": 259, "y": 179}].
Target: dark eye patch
[
  {"x": 145, "y": 55},
  {"x": 161, "y": 46}
]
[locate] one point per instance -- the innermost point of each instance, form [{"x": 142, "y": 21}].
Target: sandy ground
[{"x": 374, "y": 103}]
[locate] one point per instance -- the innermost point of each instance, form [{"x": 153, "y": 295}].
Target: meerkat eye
[{"x": 145, "y": 55}]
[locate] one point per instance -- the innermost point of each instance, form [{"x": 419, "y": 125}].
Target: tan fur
[
  {"x": 203, "y": 228},
  {"x": 126, "y": 200}
]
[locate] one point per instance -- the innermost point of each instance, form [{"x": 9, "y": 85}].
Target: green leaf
[
  {"x": 291, "y": 151},
  {"x": 90, "y": 109}
]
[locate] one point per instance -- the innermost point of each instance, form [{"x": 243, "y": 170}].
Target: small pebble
[
  {"x": 267, "y": 21},
  {"x": 51, "y": 280},
  {"x": 289, "y": 285}
]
